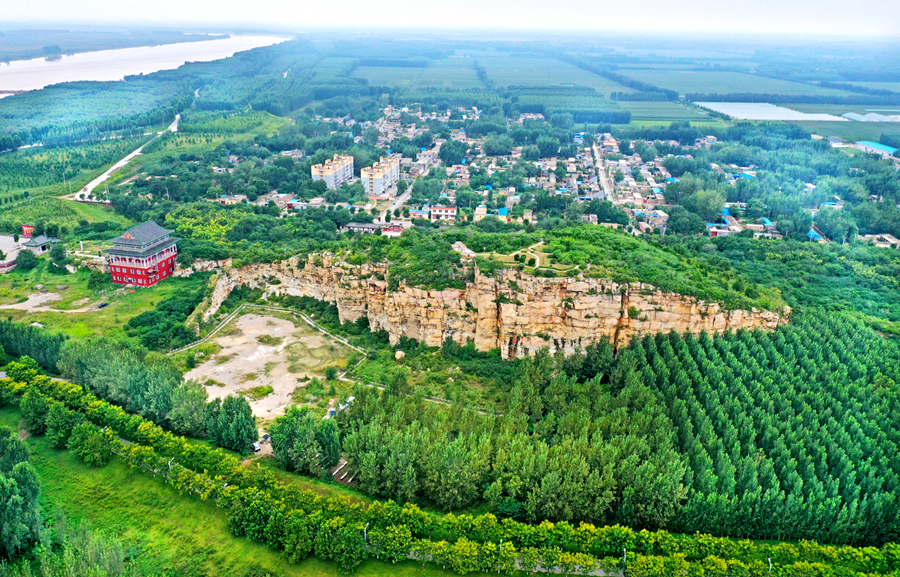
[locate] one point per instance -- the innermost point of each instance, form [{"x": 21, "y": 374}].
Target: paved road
[
  {"x": 85, "y": 192},
  {"x": 601, "y": 174}
]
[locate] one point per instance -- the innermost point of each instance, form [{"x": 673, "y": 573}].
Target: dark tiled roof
[
  {"x": 139, "y": 252},
  {"x": 142, "y": 234},
  {"x": 39, "y": 241}
]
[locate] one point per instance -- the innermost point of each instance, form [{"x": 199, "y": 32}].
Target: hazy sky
[{"x": 820, "y": 17}]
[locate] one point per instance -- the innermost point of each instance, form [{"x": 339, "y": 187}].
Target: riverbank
[{"x": 113, "y": 65}]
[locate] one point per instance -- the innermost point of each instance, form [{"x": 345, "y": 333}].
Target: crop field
[
  {"x": 852, "y": 131},
  {"x": 685, "y": 81},
  {"x": 171, "y": 533},
  {"x": 330, "y": 68},
  {"x": 389, "y": 75},
  {"x": 665, "y": 112},
  {"x": 455, "y": 73},
  {"x": 539, "y": 71},
  {"x": 449, "y": 73}
]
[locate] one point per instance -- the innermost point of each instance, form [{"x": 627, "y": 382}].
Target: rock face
[{"x": 515, "y": 312}]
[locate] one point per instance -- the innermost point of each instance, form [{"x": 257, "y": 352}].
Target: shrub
[{"x": 93, "y": 445}]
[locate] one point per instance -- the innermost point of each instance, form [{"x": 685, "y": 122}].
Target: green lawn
[
  {"x": 686, "y": 81},
  {"x": 16, "y": 285},
  {"x": 172, "y": 532}
]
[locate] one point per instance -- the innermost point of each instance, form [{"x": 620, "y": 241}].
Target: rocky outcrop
[
  {"x": 201, "y": 266},
  {"x": 515, "y": 312}
]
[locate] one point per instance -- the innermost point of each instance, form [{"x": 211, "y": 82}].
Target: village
[{"x": 598, "y": 170}]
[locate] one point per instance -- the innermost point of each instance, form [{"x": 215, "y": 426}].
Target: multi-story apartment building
[
  {"x": 380, "y": 178},
  {"x": 143, "y": 256},
  {"x": 334, "y": 172}
]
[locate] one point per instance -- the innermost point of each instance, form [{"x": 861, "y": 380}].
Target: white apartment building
[
  {"x": 334, "y": 172},
  {"x": 379, "y": 179}
]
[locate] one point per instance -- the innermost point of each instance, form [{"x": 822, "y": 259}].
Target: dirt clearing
[{"x": 265, "y": 358}]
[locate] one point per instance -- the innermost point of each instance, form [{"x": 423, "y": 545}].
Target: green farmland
[
  {"x": 665, "y": 112},
  {"x": 389, "y": 75},
  {"x": 456, "y": 73},
  {"x": 449, "y": 73},
  {"x": 330, "y": 68},
  {"x": 852, "y": 131},
  {"x": 685, "y": 81},
  {"x": 506, "y": 70}
]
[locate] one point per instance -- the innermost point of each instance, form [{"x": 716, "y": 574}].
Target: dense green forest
[{"x": 302, "y": 523}]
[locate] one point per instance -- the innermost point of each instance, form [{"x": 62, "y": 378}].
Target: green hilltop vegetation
[{"x": 425, "y": 260}]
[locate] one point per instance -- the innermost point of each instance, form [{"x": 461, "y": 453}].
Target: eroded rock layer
[{"x": 515, "y": 312}]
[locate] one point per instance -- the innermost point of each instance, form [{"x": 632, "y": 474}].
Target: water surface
[{"x": 105, "y": 65}]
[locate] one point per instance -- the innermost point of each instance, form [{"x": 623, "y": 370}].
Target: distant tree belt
[
  {"x": 639, "y": 96},
  {"x": 892, "y": 99},
  {"x": 447, "y": 97},
  {"x": 607, "y": 72},
  {"x": 860, "y": 89},
  {"x": 392, "y": 63}
]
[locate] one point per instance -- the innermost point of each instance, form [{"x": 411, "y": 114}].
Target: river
[{"x": 21, "y": 75}]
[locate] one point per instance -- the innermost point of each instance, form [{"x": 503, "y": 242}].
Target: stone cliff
[{"x": 515, "y": 312}]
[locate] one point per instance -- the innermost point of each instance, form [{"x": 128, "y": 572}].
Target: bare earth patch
[
  {"x": 245, "y": 363},
  {"x": 36, "y": 301}
]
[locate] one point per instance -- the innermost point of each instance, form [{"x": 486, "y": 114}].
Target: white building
[
  {"x": 334, "y": 172},
  {"x": 380, "y": 179}
]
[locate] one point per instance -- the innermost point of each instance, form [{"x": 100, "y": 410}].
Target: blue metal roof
[
  {"x": 766, "y": 222},
  {"x": 813, "y": 235},
  {"x": 503, "y": 211},
  {"x": 878, "y": 146}
]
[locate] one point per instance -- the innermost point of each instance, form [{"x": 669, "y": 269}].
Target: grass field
[
  {"x": 17, "y": 285},
  {"x": 507, "y": 70},
  {"x": 644, "y": 113},
  {"x": 685, "y": 81},
  {"x": 175, "y": 533}
]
